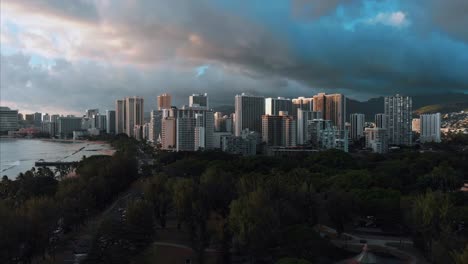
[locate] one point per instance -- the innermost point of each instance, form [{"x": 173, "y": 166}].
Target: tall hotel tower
[
  {"x": 398, "y": 110},
  {"x": 128, "y": 115},
  {"x": 248, "y": 113},
  {"x": 332, "y": 106},
  {"x": 164, "y": 101}
]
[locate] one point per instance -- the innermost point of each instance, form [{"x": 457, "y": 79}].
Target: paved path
[{"x": 372, "y": 241}]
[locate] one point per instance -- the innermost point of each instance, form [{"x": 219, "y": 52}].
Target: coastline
[{"x": 19, "y": 158}]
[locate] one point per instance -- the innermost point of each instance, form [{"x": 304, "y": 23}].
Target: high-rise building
[
  {"x": 134, "y": 114},
  {"x": 164, "y": 101},
  {"x": 120, "y": 116},
  {"x": 333, "y": 107},
  {"x": 303, "y": 118},
  {"x": 155, "y": 125},
  {"x": 38, "y": 119},
  {"x": 100, "y": 122},
  {"x": 168, "y": 133},
  {"x": 29, "y": 118},
  {"x": 128, "y": 114},
  {"x": 279, "y": 130},
  {"x": 91, "y": 112},
  {"x": 49, "y": 127},
  {"x": 357, "y": 126},
  {"x": 54, "y": 118},
  {"x": 223, "y": 123},
  {"x": 430, "y": 128},
  {"x": 46, "y": 117},
  {"x": 381, "y": 121},
  {"x": 301, "y": 103},
  {"x": 398, "y": 110},
  {"x": 416, "y": 125},
  {"x": 249, "y": 110},
  {"x": 274, "y": 105},
  {"x": 199, "y": 100},
  {"x": 110, "y": 127},
  {"x": 187, "y": 129},
  {"x": 376, "y": 139},
  {"x": 8, "y": 119},
  {"x": 66, "y": 126},
  {"x": 322, "y": 134}
]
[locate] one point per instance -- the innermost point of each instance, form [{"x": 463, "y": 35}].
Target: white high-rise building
[
  {"x": 398, "y": 110},
  {"x": 249, "y": 111},
  {"x": 274, "y": 105},
  {"x": 357, "y": 126},
  {"x": 376, "y": 139},
  {"x": 187, "y": 129},
  {"x": 199, "y": 100},
  {"x": 430, "y": 128},
  {"x": 303, "y": 118}
]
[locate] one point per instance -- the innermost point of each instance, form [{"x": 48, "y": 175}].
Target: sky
[{"x": 60, "y": 56}]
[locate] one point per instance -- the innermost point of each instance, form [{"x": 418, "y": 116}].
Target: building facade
[
  {"x": 110, "y": 119},
  {"x": 66, "y": 126},
  {"x": 279, "y": 130},
  {"x": 155, "y": 126},
  {"x": 164, "y": 101},
  {"x": 333, "y": 107},
  {"x": 199, "y": 100},
  {"x": 398, "y": 110},
  {"x": 376, "y": 139},
  {"x": 120, "y": 116},
  {"x": 357, "y": 126},
  {"x": 168, "y": 133},
  {"x": 301, "y": 103},
  {"x": 303, "y": 118},
  {"x": 274, "y": 105},
  {"x": 381, "y": 120},
  {"x": 430, "y": 128},
  {"x": 248, "y": 113},
  {"x": 8, "y": 119}
]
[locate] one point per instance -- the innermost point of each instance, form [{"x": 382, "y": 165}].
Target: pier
[{"x": 55, "y": 163}]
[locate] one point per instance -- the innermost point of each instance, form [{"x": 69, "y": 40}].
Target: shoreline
[{"x": 88, "y": 148}]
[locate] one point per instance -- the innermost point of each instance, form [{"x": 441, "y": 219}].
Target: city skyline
[{"x": 77, "y": 53}]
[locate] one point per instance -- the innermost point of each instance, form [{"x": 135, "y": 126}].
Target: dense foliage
[
  {"x": 261, "y": 208},
  {"x": 37, "y": 207}
]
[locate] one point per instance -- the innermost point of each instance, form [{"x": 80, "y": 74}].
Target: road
[{"x": 377, "y": 242}]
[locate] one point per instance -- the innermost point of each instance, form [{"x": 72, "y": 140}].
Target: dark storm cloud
[{"x": 283, "y": 48}]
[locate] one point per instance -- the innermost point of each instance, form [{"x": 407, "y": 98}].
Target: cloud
[
  {"x": 396, "y": 19},
  {"x": 288, "y": 48}
]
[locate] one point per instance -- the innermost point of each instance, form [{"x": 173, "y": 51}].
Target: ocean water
[{"x": 19, "y": 155}]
